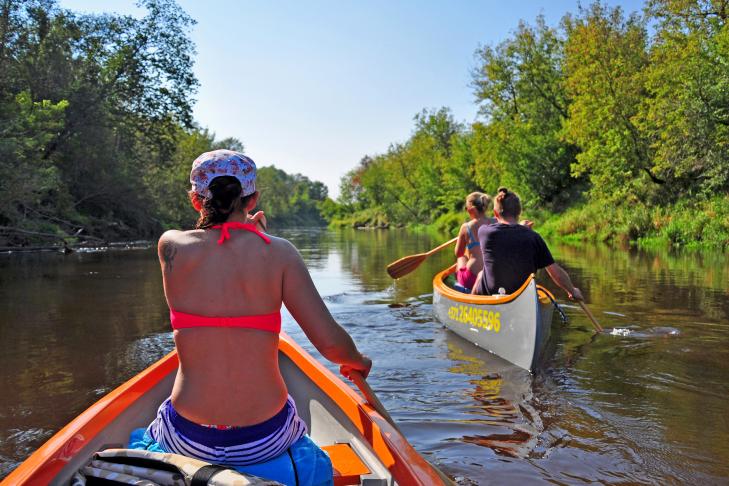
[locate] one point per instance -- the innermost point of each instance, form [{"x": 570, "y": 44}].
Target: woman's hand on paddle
[
  {"x": 258, "y": 219},
  {"x": 364, "y": 367}
]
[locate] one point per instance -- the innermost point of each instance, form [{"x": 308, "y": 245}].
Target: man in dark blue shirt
[{"x": 512, "y": 252}]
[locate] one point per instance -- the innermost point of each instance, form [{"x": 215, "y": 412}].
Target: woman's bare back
[
  {"x": 473, "y": 256},
  {"x": 227, "y": 376},
  {"x": 230, "y": 376}
]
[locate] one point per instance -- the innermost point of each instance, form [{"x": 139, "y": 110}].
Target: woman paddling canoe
[
  {"x": 225, "y": 282},
  {"x": 469, "y": 261}
]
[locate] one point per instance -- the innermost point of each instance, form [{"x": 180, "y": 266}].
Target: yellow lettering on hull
[{"x": 476, "y": 317}]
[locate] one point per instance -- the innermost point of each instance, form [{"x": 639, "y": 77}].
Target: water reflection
[
  {"x": 66, "y": 327},
  {"x": 646, "y": 406},
  {"x": 500, "y": 400}
]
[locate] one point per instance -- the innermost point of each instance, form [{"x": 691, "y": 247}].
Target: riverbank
[
  {"x": 83, "y": 247},
  {"x": 694, "y": 226},
  {"x": 56, "y": 238},
  {"x": 700, "y": 225}
]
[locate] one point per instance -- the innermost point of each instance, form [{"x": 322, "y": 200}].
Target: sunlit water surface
[{"x": 645, "y": 402}]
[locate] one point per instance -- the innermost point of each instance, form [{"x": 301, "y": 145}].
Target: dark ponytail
[{"x": 224, "y": 200}]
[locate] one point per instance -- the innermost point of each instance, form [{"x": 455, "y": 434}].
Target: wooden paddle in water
[
  {"x": 407, "y": 264},
  {"x": 597, "y": 325},
  {"x": 372, "y": 399}
]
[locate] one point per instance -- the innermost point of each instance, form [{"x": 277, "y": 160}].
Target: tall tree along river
[{"x": 648, "y": 403}]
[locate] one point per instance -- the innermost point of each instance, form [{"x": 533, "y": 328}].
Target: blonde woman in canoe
[
  {"x": 469, "y": 261},
  {"x": 225, "y": 282}
]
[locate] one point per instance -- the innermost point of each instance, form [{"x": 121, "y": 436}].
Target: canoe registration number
[{"x": 488, "y": 320}]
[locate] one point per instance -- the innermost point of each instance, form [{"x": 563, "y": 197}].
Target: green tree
[
  {"x": 169, "y": 183},
  {"x": 100, "y": 99},
  {"x": 606, "y": 57},
  {"x": 414, "y": 181},
  {"x": 519, "y": 86},
  {"x": 30, "y": 183},
  {"x": 290, "y": 200},
  {"x": 686, "y": 113}
]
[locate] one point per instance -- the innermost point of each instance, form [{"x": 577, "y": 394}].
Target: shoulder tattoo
[{"x": 169, "y": 250}]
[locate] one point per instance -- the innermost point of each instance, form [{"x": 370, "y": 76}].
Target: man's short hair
[{"x": 507, "y": 204}]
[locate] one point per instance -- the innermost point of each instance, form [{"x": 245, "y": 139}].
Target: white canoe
[{"x": 515, "y": 327}]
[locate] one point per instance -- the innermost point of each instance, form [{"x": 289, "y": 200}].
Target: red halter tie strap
[{"x": 226, "y": 227}]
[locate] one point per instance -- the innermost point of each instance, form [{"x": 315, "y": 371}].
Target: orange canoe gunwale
[{"x": 440, "y": 286}]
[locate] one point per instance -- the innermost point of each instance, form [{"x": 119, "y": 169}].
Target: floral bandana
[{"x": 219, "y": 163}]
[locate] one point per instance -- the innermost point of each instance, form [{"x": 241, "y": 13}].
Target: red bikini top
[
  {"x": 226, "y": 227},
  {"x": 264, "y": 322}
]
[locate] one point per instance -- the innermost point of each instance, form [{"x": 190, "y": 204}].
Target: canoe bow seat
[{"x": 348, "y": 467}]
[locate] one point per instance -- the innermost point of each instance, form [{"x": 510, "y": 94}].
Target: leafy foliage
[
  {"x": 686, "y": 115},
  {"x": 605, "y": 58},
  {"x": 594, "y": 114},
  {"x": 418, "y": 180},
  {"x": 520, "y": 88},
  {"x": 96, "y": 129},
  {"x": 290, "y": 200},
  {"x": 90, "y": 105}
]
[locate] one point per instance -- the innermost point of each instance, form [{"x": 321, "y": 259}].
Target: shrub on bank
[
  {"x": 449, "y": 223},
  {"x": 364, "y": 218},
  {"x": 686, "y": 224}
]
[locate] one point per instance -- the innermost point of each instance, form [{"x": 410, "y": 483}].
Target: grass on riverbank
[
  {"x": 364, "y": 218},
  {"x": 685, "y": 225}
]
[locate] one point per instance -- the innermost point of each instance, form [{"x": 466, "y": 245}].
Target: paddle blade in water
[{"x": 405, "y": 265}]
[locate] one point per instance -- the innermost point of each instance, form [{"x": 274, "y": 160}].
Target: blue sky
[{"x": 313, "y": 86}]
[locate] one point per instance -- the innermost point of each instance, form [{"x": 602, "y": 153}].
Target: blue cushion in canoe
[
  {"x": 313, "y": 466},
  {"x": 461, "y": 288}
]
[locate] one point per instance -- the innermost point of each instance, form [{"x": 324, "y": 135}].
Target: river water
[{"x": 645, "y": 403}]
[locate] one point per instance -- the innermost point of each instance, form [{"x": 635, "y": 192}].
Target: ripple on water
[
  {"x": 24, "y": 441},
  {"x": 144, "y": 351},
  {"x": 444, "y": 392}
]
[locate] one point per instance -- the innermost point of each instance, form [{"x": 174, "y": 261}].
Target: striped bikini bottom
[{"x": 236, "y": 446}]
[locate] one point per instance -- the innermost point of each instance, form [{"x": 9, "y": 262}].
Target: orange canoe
[{"x": 364, "y": 447}]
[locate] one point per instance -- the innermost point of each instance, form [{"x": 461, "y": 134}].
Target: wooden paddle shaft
[
  {"x": 370, "y": 396},
  {"x": 407, "y": 264},
  {"x": 440, "y": 247},
  {"x": 589, "y": 314}
]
